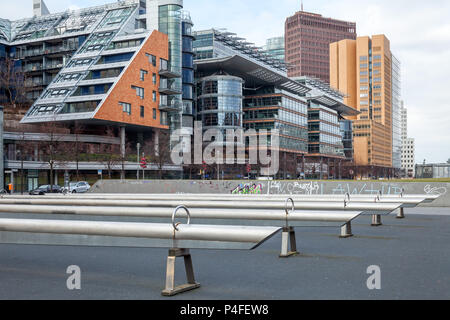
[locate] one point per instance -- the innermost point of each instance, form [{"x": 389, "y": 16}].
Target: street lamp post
[{"x": 137, "y": 159}]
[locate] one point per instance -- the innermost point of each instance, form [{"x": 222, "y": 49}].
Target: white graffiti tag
[{"x": 435, "y": 190}]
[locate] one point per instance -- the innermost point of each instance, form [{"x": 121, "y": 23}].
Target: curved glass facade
[
  {"x": 219, "y": 102},
  {"x": 188, "y": 65},
  {"x": 170, "y": 24}
]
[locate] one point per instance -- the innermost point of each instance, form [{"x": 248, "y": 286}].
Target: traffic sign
[{"x": 144, "y": 163}]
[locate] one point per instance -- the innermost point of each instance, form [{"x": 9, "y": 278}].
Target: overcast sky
[{"x": 419, "y": 32}]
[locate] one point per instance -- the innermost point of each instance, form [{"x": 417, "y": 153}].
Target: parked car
[
  {"x": 77, "y": 187},
  {"x": 42, "y": 190}
]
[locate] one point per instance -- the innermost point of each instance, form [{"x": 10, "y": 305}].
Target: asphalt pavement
[{"x": 412, "y": 255}]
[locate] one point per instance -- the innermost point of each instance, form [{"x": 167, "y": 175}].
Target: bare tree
[
  {"x": 24, "y": 149},
  {"x": 159, "y": 150},
  {"x": 13, "y": 81},
  {"x": 54, "y": 150},
  {"x": 110, "y": 153},
  {"x": 77, "y": 148},
  {"x": 124, "y": 158}
]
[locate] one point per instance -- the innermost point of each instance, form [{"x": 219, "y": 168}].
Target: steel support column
[
  {"x": 346, "y": 230},
  {"x": 171, "y": 289},
  {"x": 288, "y": 239},
  {"x": 376, "y": 220}
]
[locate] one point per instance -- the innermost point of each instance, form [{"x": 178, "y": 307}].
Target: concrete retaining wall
[{"x": 275, "y": 187}]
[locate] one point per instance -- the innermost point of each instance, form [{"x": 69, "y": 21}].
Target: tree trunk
[
  {"x": 22, "y": 176},
  {"x": 77, "y": 160},
  {"x": 51, "y": 175}
]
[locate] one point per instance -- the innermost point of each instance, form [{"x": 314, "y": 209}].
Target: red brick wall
[{"x": 157, "y": 45}]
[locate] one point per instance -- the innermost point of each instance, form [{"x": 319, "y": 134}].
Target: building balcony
[
  {"x": 29, "y": 54},
  {"x": 169, "y": 74},
  {"x": 51, "y": 66},
  {"x": 33, "y": 68},
  {"x": 35, "y": 84},
  {"x": 169, "y": 107},
  {"x": 169, "y": 90}
]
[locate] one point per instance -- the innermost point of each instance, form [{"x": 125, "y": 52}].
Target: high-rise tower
[
  {"x": 307, "y": 40},
  {"x": 363, "y": 70}
]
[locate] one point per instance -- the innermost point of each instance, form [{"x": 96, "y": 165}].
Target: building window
[
  {"x": 154, "y": 78},
  {"x": 154, "y": 114},
  {"x": 151, "y": 59},
  {"x": 163, "y": 118},
  {"x": 154, "y": 96},
  {"x": 126, "y": 107},
  {"x": 163, "y": 64},
  {"x": 142, "y": 112},
  {"x": 143, "y": 73},
  {"x": 139, "y": 91}
]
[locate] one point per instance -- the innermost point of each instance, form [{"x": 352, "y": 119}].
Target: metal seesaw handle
[
  {"x": 378, "y": 197},
  {"x": 346, "y": 199},
  {"x": 286, "y": 209},
  {"x": 174, "y": 214}
]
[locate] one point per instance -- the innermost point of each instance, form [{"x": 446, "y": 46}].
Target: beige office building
[{"x": 362, "y": 69}]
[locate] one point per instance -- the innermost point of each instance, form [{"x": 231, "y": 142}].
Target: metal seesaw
[{"x": 175, "y": 236}]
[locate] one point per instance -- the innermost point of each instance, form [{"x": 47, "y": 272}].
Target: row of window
[{"x": 126, "y": 108}]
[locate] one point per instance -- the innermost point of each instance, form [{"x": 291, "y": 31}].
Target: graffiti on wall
[
  {"x": 435, "y": 190},
  {"x": 247, "y": 189},
  {"x": 277, "y": 187},
  {"x": 343, "y": 188}
]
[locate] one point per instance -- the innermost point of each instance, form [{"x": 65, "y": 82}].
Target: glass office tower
[
  {"x": 188, "y": 70},
  {"x": 170, "y": 24},
  {"x": 219, "y": 102}
]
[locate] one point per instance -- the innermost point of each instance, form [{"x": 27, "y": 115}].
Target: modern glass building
[
  {"x": 170, "y": 23},
  {"x": 188, "y": 70},
  {"x": 396, "y": 114},
  {"x": 273, "y": 108},
  {"x": 271, "y": 100},
  {"x": 215, "y": 43},
  {"x": 100, "y": 67},
  {"x": 324, "y": 131},
  {"x": 219, "y": 102},
  {"x": 347, "y": 138},
  {"x": 275, "y": 48},
  {"x": 330, "y": 137}
]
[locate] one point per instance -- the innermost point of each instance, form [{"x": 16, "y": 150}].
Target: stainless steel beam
[
  {"x": 367, "y": 207},
  {"x": 360, "y": 198},
  {"x": 249, "y": 237},
  {"x": 108, "y": 201}
]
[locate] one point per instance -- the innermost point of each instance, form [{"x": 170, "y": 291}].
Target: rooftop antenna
[{"x": 302, "y": 5}]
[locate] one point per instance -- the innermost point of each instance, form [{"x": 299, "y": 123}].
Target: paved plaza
[{"x": 412, "y": 255}]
